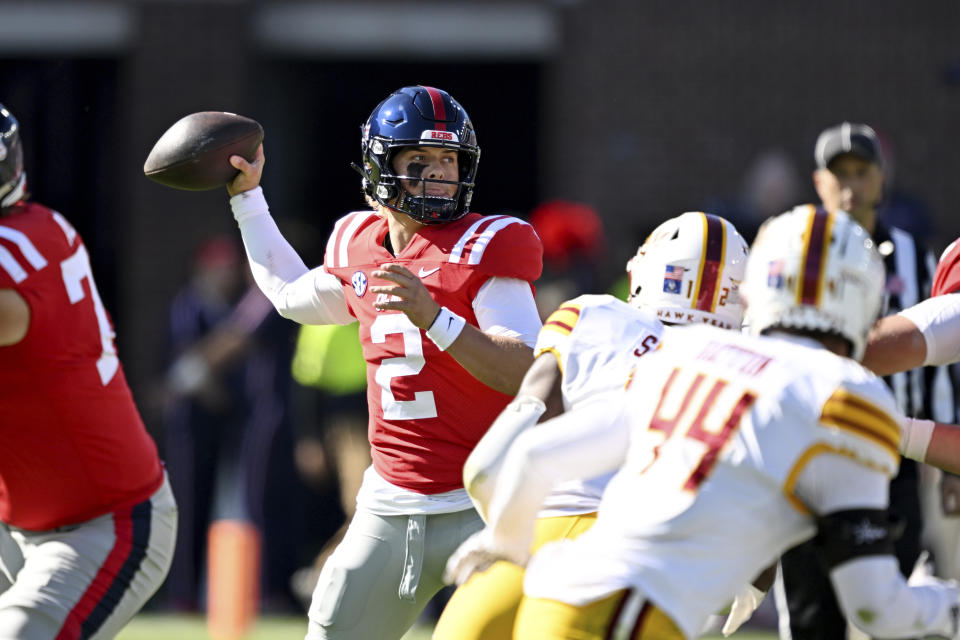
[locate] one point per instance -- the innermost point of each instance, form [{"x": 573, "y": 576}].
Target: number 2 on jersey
[
  {"x": 423, "y": 405},
  {"x": 712, "y": 438}
]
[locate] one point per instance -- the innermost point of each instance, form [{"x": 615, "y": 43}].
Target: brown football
[{"x": 194, "y": 154}]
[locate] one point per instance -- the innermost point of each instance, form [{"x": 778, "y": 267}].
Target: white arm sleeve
[
  {"x": 302, "y": 295},
  {"x": 876, "y": 598},
  {"x": 583, "y": 443},
  {"x": 870, "y": 589},
  {"x": 505, "y": 307},
  {"x": 938, "y": 319},
  {"x": 482, "y": 468}
]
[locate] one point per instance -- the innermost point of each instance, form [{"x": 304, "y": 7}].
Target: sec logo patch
[{"x": 359, "y": 281}]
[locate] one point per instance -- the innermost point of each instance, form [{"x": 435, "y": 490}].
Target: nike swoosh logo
[{"x": 425, "y": 272}]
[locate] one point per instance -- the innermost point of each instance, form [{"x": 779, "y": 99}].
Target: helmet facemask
[
  {"x": 390, "y": 192},
  {"x": 12, "y": 177}
]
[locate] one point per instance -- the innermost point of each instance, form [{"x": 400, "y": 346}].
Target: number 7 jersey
[
  {"x": 74, "y": 446},
  {"x": 426, "y": 411}
]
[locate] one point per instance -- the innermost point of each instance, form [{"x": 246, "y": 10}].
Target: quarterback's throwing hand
[
  {"x": 250, "y": 172},
  {"x": 406, "y": 294}
]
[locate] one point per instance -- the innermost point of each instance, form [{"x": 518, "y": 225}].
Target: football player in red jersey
[
  {"x": 87, "y": 518},
  {"x": 447, "y": 322}
]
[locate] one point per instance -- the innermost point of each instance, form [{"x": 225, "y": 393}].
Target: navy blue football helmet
[
  {"x": 12, "y": 178},
  {"x": 418, "y": 117}
]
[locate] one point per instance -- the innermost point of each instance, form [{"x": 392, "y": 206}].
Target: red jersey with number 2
[
  {"x": 426, "y": 411},
  {"x": 73, "y": 444}
]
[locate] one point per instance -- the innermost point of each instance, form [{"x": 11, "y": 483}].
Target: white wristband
[
  {"x": 916, "y": 438},
  {"x": 445, "y": 328},
  {"x": 249, "y": 204}
]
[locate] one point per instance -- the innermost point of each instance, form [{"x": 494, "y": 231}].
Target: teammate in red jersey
[
  {"x": 87, "y": 518},
  {"x": 447, "y": 322}
]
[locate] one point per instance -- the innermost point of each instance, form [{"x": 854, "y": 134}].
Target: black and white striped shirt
[{"x": 926, "y": 392}]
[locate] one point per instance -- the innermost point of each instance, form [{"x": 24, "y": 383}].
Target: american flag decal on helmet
[
  {"x": 673, "y": 279},
  {"x": 775, "y": 274}
]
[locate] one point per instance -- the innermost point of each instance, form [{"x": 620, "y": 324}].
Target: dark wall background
[
  {"x": 643, "y": 110},
  {"x": 660, "y": 106}
]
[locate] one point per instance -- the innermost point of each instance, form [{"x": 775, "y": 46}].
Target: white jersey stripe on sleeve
[
  {"x": 457, "y": 250},
  {"x": 11, "y": 266},
  {"x": 476, "y": 252},
  {"x": 26, "y": 247},
  {"x": 351, "y": 228},
  {"x": 68, "y": 229},
  {"x": 331, "y": 252}
]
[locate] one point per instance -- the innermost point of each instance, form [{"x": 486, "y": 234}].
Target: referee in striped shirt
[{"x": 849, "y": 176}]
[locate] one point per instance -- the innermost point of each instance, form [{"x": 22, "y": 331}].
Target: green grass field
[
  {"x": 193, "y": 627},
  {"x": 184, "y": 627}
]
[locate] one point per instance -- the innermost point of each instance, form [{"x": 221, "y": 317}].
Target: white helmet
[
  {"x": 814, "y": 270},
  {"x": 689, "y": 270}
]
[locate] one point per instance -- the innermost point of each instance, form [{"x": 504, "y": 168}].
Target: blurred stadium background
[{"x": 640, "y": 110}]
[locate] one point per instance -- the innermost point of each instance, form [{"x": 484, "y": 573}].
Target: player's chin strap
[{"x": 482, "y": 467}]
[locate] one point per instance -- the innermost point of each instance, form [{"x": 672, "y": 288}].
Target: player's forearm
[
  {"x": 895, "y": 344},
  {"x": 499, "y": 362},
  {"x": 927, "y": 333},
  {"x": 482, "y": 468},
  {"x": 933, "y": 443},
  {"x": 308, "y": 297},
  {"x": 944, "y": 449},
  {"x": 876, "y": 598},
  {"x": 583, "y": 443}
]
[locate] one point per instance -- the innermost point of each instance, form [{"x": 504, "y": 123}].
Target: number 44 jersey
[
  {"x": 736, "y": 443},
  {"x": 74, "y": 446},
  {"x": 426, "y": 411}
]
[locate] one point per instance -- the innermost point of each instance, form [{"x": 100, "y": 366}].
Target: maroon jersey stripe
[
  {"x": 557, "y": 323},
  {"x": 571, "y": 309}
]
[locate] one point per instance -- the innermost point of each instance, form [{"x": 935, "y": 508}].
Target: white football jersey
[
  {"x": 735, "y": 441},
  {"x": 596, "y": 340}
]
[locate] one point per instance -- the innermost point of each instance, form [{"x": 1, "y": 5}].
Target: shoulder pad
[
  {"x": 946, "y": 279},
  {"x": 344, "y": 230},
  {"x": 501, "y": 246},
  {"x": 863, "y": 420},
  {"x": 21, "y": 259}
]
